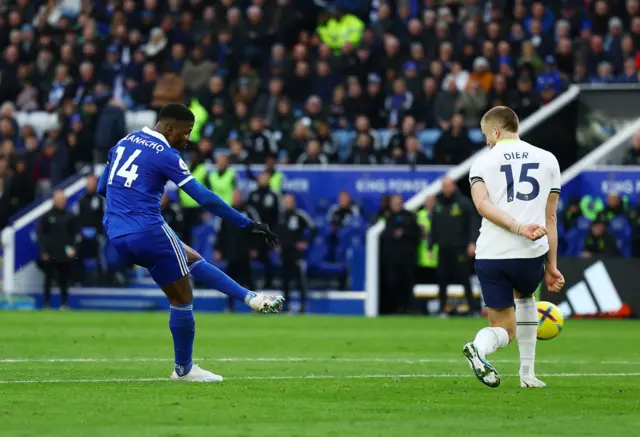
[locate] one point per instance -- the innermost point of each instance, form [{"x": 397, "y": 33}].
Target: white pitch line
[
  {"x": 290, "y": 360},
  {"x": 303, "y": 377}
]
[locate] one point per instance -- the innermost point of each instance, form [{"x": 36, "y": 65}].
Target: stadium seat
[
  {"x": 621, "y": 230},
  {"x": 476, "y": 135}
]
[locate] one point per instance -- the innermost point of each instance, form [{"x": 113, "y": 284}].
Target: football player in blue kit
[{"x": 133, "y": 183}]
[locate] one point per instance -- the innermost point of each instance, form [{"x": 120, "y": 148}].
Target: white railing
[{"x": 372, "y": 277}]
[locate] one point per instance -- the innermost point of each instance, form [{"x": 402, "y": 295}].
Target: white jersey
[{"x": 519, "y": 178}]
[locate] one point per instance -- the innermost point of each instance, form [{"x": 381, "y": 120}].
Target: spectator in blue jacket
[{"x": 550, "y": 76}]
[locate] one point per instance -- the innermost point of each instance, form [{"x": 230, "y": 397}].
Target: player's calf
[{"x": 212, "y": 276}]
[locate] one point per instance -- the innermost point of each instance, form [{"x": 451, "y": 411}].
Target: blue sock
[
  {"x": 183, "y": 329},
  {"x": 215, "y": 278}
]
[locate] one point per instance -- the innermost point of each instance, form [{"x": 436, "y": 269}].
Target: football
[{"x": 550, "y": 320}]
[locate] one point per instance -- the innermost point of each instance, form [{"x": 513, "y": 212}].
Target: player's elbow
[{"x": 482, "y": 208}]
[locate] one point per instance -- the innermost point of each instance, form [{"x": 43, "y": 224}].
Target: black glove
[{"x": 263, "y": 229}]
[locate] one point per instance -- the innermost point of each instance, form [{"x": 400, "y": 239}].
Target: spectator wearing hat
[
  {"x": 375, "y": 99},
  {"x": 257, "y": 143},
  {"x": 111, "y": 68},
  {"x": 398, "y": 103},
  {"x": 550, "y": 76},
  {"x": 599, "y": 242},
  {"x": 157, "y": 48},
  {"x": 412, "y": 78},
  {"x": 482, "y": 74}
]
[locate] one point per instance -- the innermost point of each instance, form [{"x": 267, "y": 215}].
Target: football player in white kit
[{"x": 515, "y": 187}]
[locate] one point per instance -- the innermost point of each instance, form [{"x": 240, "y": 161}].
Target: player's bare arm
[
  {"x": 553, "y": 277},
  {"x": 498, "y": 217}
]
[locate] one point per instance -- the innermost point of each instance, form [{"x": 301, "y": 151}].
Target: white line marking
[
  {"x": 291, "y": 360},
  {"x": 302, "y": 377}
]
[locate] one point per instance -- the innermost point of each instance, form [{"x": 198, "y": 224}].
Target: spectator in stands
[
  {"x": 56, "y": 235},
  {"x": 411, "y": 154},
  {"x": 599, "y": 242},
  {"x": 267, "y": 203},
  {"x": 399, "y": 136},
  {"x": 362, "y": 152},
  {"x": 629, "y": 72},
  {"x": 267, "y": 103},
  {"x": 446, "y": 104},
  {"x": 339, "y": 216},
  {"x": 375, "y": 98},
  {"x": 399, "y": 247},
  {"x": 571, "y": 214},
  {"x": 237, "y": 247},
  {"x": 313, "y": 154},
  {"x": 297, "y": 231},
  {"x": 454, "y": 227},
  {"x": 633, "y": 156},
  {"x": 454, "y": 145},
  {"x": 472, "y": 104},
  {"x": 90, "y": 211},
  {"x": 196, "y": 71},
  {"x": 18, "y": 191},
  {"x": 111, "y": 128},
  {"x": 257, "y": 143},
  {"x": 172, "y": 214},
  {"x": 525, "y": 99},
  {"x": 423, "y": 108},
  {"x": 614, "y": 207}
]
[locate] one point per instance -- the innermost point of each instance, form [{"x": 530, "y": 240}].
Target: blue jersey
[{"x": 139, "y": 167}]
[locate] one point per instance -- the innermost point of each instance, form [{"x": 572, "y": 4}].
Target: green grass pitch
[{"x": 95, "y": 374}]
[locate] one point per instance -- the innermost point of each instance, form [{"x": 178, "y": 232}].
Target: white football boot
[
  {"x": 484, "y": 371},
  {"x": 197, "y": 374},
  {"x": 264, "y": 303},
  {"x": 530, "y": 381}
]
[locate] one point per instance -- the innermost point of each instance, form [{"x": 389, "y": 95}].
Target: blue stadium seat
[
  {"x": 621, "y": 230},
  {"x": 343, "y": 140},
  {"x": 476, "y": 135},
  {"x": 575, "y": 241},
  {"x": 428, "y": 138}
]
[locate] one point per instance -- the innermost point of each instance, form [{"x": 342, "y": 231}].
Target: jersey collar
[{"x": 153, "y": 133}]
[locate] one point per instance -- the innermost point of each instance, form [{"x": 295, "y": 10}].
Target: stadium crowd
[{"x": 283, "y": 81}]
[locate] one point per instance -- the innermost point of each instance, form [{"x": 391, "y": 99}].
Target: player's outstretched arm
[
  {"x": 215, "y": 205},
  {"x": 498, "y": 217},
  {"x": 211, "y": 202},
  {"x": 102, "y": 182}
]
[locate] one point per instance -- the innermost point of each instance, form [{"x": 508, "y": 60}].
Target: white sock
[
  {"x": 527, "y": 333},
  {"x": 488, "y": 340}
]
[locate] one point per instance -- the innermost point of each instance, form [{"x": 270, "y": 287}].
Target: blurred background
[{"x": 348, "y": 126}]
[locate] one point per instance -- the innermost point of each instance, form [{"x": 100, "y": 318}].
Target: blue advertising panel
[
  {"x": 620, "y": 180},
  {"x": 366, "y": 186}
]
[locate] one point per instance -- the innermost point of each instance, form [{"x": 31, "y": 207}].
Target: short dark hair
[
  {"x": 503, "y": 117},
  {"x": 176, "y": 112}
]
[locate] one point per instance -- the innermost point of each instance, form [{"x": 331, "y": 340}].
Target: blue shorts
[
  {"x": 500, "y": 277},
  {"x": 159, "y": 250}
]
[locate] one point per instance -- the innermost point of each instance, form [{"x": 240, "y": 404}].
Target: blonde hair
[{"x": 502, "y": 117}]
